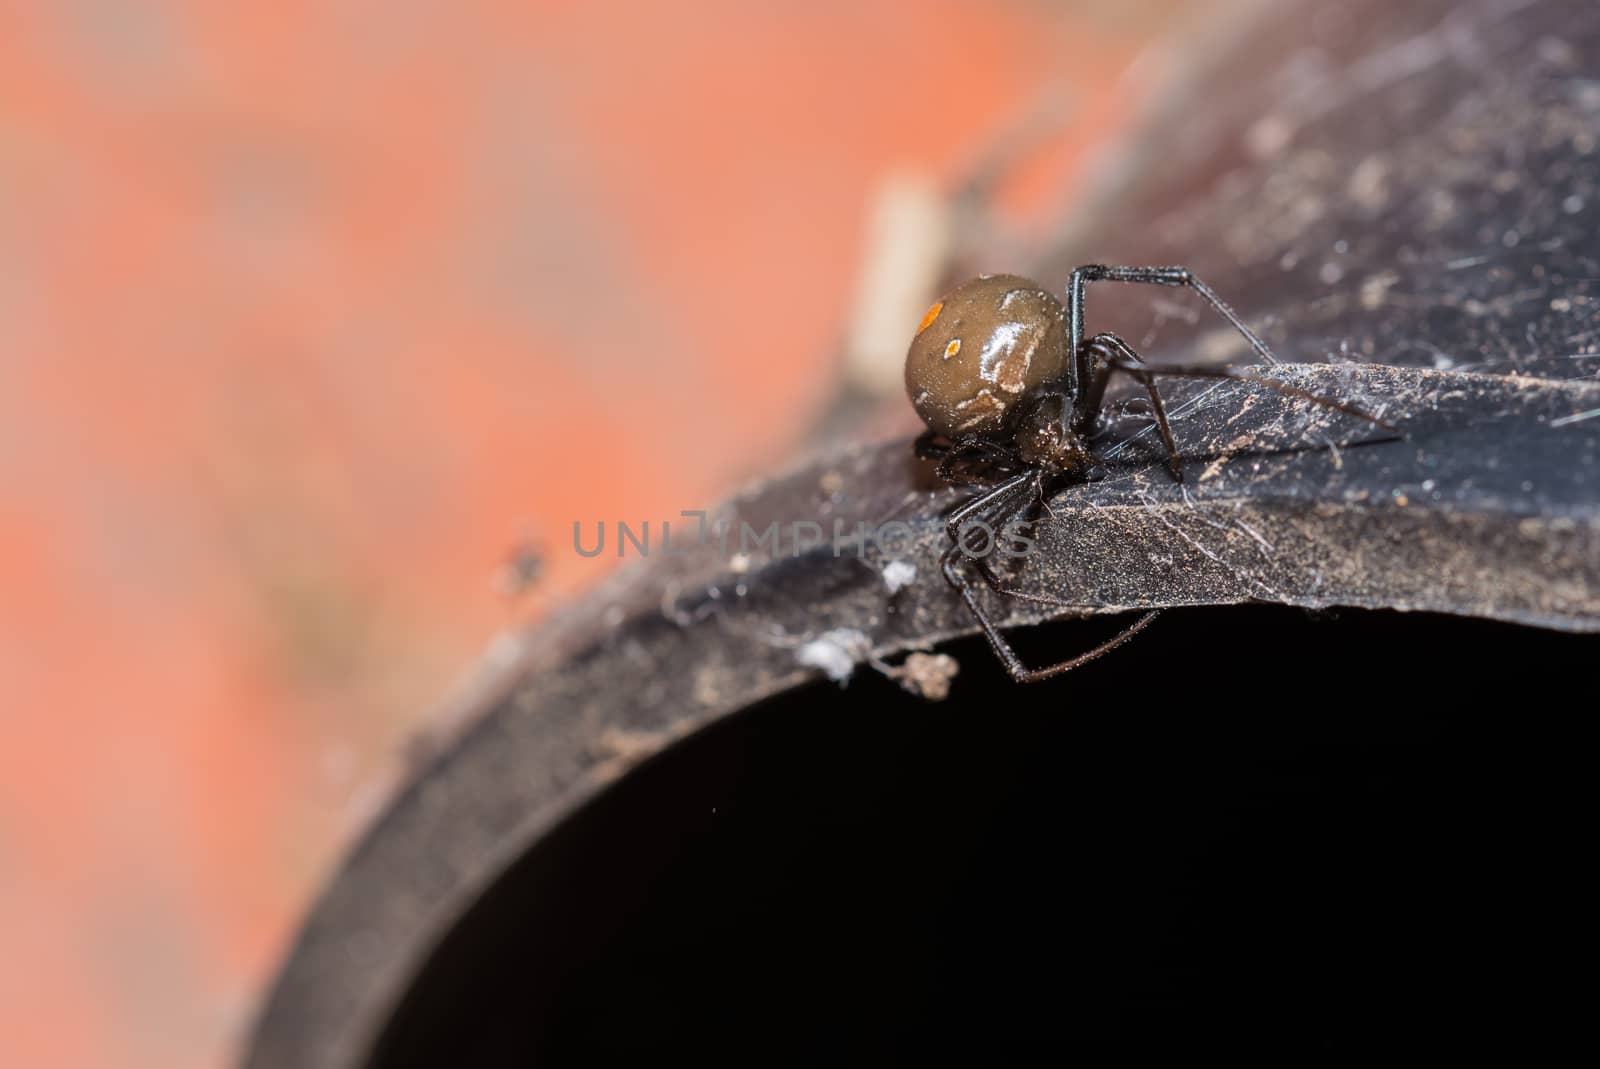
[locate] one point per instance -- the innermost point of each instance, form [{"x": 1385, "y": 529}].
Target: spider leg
[
  {"x": 995, "y": 499},
  {"x": 1115, "y": 355},
  {"x": 1110, "y": 348},
  {"x": 975, "y": 464},
  {"x": 1204, "y": 371},
  {"x": 929, "y": 446},
  {"x": 1152, "y": 276},
  {"x": 999, "y": 521},
  {"x": 957, "y": 458},
  {"x": 1020, "y": 672},
  {"x": 996, "y": 506}
]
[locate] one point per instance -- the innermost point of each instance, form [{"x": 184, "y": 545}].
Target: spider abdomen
[{"x": 980, "y": 350}]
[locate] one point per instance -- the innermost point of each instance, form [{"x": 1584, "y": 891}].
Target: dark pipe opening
[{"x": 1251, "y": 828}]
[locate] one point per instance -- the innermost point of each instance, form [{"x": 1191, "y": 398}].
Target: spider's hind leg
[
  {"x": 1155, "y": 276},
  {"x": 929, "y": 446},
  {"x": 1114, "y": 354},
  {"x": 1109, "y": 353},
  {"x": 966, "y": 461}
]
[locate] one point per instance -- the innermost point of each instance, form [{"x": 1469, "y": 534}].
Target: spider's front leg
[
  {"x": 996, "y": 507},
  {"x": 995, "y": 502},
  {"x": 951, "y": 564}
]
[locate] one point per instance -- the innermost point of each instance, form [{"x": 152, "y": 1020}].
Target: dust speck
[
  {"x": 834, "y": 652},
  {"x": 899, "y": 574}
]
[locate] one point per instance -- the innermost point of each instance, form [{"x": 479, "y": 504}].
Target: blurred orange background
[{"x": 309, "y": 312}]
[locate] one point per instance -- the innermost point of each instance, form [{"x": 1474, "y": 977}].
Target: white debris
[
  {"x": 899, "y": 574},
  {"x": 926, "y": 675},
  {"x": 835, "y": 652}
]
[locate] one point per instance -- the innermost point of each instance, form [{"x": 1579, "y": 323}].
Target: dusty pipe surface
[{"x": 1403, "y": 196}]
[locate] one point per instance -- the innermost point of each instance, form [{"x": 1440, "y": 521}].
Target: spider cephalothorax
[{"x": 1045, "y": 438}]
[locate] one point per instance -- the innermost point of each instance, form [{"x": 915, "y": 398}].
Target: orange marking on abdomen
[{"x": 933, "y": 313}]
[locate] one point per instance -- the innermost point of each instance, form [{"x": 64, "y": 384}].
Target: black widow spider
[{"x": 1010, "y": 389}]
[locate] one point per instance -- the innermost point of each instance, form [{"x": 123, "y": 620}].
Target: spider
[{"x": 1011, "y": 392}]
